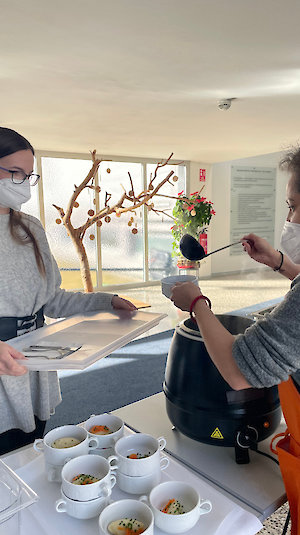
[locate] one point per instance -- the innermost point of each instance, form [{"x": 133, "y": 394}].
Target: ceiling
[{"x": 143, "y": 78}]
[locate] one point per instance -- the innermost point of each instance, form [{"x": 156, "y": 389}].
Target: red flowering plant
[{"x": 191, "y": 215}]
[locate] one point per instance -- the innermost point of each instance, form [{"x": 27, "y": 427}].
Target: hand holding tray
[{"x": 88, "y": 339}]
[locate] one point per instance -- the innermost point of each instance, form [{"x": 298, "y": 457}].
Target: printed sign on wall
[
  {"x": 252, "y": 203},
  {"x": 202, "y": 175}
]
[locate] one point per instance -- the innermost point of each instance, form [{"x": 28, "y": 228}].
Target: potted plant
[{"x": 192, "y": 216}]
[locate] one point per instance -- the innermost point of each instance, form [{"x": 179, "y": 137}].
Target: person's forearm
[
  {"x": 264, "y": 253},
  {"x": 219, "y": 342},
  {"x": 288, "y": 268}
]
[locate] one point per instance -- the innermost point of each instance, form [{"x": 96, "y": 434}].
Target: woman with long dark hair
[{"x": 29, "y": 288}]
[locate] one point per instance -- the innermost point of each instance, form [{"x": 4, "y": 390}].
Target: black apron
[{"x": 10, "y": 327}]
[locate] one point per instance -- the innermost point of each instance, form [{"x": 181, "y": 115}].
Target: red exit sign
[{"x": 202, "y": 175}]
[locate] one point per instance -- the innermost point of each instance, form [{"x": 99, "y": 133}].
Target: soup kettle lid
[{"x": 233, "y": 323}]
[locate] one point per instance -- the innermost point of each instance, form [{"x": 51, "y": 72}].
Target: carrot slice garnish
[{"x": 166, "y": 507}]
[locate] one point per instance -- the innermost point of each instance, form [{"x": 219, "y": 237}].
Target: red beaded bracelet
[{"x": 208, "y": 301}]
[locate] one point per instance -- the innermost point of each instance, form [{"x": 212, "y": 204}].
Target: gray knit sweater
[
  {"x": 269, "y": 351},
  {"x": 24, "y": 291}
]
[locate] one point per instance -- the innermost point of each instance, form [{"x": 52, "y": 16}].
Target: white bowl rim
[
  {"x": 172, "y": 279},
  {"x": 169, "y": 483}
]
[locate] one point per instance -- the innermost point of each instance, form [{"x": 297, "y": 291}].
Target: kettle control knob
[{"x": 247, "y": 436}]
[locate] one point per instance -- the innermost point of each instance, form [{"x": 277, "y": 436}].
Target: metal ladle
[{"x": 192, "y": 250}]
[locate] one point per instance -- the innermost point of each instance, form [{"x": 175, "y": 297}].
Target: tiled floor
[{"x": 227, "y": 293}]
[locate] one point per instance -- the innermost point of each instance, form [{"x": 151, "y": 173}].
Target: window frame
[{"x": 144, "y": 162}]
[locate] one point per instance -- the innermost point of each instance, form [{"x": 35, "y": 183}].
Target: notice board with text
[{"x": 252, "y": 203}]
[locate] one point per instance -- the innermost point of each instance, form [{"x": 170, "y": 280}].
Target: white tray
[
  {"x": 99, "y": 335},
  {"x": 225, "y": 518}
]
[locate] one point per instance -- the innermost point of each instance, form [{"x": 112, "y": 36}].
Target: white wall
[
  {"x": 195, "y": 185},
  {"x": 220, "y": 181}
]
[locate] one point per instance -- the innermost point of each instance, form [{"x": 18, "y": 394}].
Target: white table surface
[
  {"x": 257, "y": 486},
  {"x": 41, "y": 518}
]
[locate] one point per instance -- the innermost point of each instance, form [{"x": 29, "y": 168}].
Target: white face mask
[
  {"x": 290, "y": 241},
  {"x": 14, "y": 195}
]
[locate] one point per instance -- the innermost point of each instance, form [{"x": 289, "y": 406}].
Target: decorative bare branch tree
[{"x": 145, "y": 198}]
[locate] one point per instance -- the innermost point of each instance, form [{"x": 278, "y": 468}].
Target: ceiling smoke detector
[{"x": 225, "y": 103}]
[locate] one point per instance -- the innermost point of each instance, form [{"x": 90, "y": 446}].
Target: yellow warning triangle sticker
[{"x": 217, "y": 434}]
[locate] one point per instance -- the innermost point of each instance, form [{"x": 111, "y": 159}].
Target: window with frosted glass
[
  {"x": 121, "y": 237},
  {"x": 161, "y": 262},
  {"x": 59, "y": 177}
]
